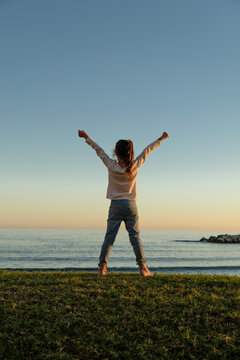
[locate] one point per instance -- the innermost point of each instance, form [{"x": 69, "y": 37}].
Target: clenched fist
[
  {"x": 83, "y": 134},
  {"x": 164, "y": 136}
]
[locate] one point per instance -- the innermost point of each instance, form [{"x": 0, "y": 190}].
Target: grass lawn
[{"x": 76, "y": 315}]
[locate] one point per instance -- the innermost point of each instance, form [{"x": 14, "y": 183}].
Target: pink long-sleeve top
[{"x": 119, "y": 184}]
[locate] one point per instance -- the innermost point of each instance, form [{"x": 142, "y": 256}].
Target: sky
[{"x": 127, "y": 69}]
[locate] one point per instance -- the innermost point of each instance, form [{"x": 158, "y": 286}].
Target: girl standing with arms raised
[{"x": 122, "y": 176}]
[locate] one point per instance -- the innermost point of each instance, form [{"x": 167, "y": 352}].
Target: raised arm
[
  {"x": 145, "y": 153},
  {"x": 100, "y": 152}
]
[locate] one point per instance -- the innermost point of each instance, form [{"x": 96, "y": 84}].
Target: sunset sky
[{"x": 120, "y": 69}]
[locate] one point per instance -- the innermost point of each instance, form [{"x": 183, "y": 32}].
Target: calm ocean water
[{"x": 166, "y": 251}]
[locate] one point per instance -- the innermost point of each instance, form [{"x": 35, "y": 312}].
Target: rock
[
  {"x": 203, "y": 239},
  {"x": 212, "y": 239},
  {"x": 220, "y": 240},
  {"x": 223, "y": 239}
]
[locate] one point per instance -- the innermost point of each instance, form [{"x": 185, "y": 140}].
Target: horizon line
[{"x": 121, "y": 228}]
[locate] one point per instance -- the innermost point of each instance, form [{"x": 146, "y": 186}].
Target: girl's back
[
  {"x": 122, "y": 175},
  {"x": 121, "y": 184}
]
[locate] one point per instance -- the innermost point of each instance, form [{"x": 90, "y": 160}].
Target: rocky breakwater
[{"x": 223, "y": 239}]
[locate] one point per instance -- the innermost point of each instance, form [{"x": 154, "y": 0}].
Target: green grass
[{"x": 75, "y": 315}]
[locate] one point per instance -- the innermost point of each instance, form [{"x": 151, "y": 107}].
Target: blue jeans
[{"x": 122, "y": 210}]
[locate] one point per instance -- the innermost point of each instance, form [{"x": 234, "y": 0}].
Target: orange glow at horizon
[{"x": 171, "y": 215}]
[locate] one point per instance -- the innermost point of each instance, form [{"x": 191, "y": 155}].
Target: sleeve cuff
[{"x": 88, "y": 139}]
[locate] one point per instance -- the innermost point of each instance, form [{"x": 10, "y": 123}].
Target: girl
[{"x": 122, "y": 176}]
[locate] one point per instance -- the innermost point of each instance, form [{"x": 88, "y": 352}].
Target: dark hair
[{"x": 124, "y": 149}]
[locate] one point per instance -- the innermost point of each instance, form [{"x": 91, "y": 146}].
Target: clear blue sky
[{"x": 120, "y": 69}]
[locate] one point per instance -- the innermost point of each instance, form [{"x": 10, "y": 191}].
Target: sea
[{"x": 78, "y": 250}]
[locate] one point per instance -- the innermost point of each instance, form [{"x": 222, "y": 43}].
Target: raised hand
[
  {"x": 83, "y": 134},
  {"x": 164, "y": 136}
]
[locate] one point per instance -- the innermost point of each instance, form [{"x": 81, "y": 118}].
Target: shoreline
[{"x": 203, "y": 270}]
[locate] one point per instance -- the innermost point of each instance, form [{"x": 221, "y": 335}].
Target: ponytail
[{"x": 124, "y": 149}]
